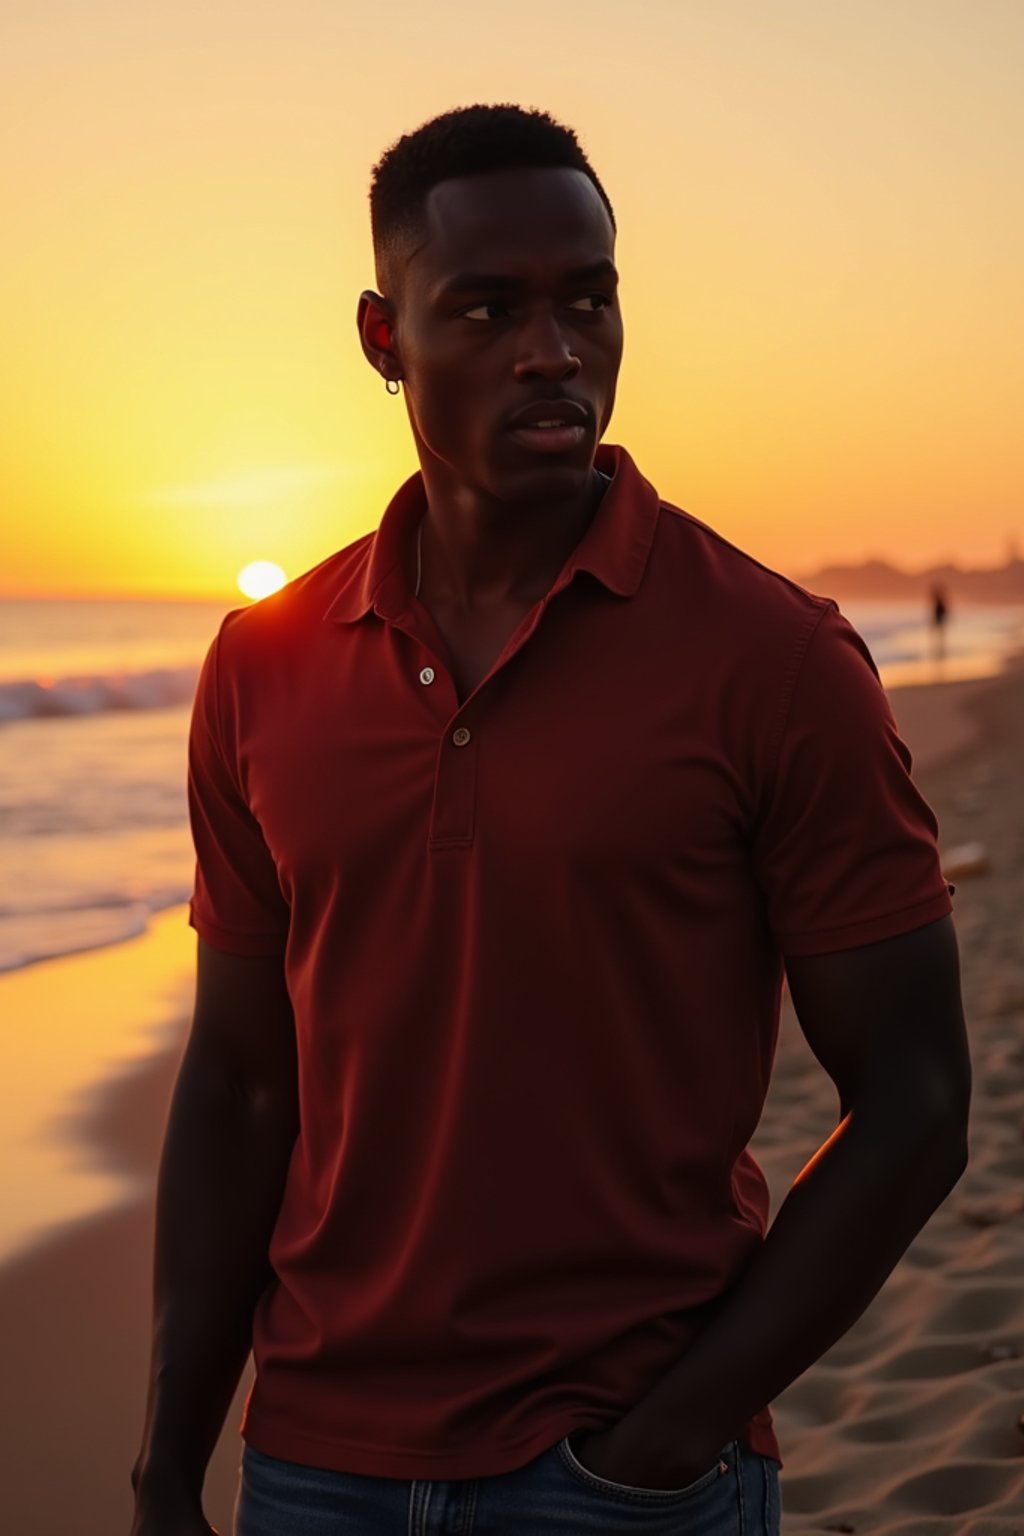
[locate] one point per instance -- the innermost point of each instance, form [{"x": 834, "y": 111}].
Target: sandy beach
[{"x": 912, "y": 1424}]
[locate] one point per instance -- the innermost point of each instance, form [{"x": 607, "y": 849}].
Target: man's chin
[{"x": 558, "y": 479}]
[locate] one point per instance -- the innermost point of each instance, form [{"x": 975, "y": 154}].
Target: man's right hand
[
  {"x": 164, "y": 1508},
  {"x": 165, "y": 1524},
  {"x": 170, "y": 1516}
]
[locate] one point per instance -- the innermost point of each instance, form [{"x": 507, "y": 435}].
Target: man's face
[{"x": 510, "y": 304}]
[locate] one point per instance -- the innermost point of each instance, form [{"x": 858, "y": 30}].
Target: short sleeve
[
  {"x": 846, "y": 849},
  {"x": 237, "y": 904}
]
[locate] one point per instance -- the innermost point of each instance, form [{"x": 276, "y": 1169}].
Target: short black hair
[{"x": 468, "y": 141}]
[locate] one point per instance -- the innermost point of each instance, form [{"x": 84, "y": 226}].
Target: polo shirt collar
[{"x": 614, "y": 549}]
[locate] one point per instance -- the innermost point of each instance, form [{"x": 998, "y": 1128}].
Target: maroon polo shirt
[{"x": 534, "y": 944}]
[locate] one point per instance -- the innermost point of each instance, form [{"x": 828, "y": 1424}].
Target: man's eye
[
  {"x": 591, "y": 302},
  {"x": 483, "y": 312}
]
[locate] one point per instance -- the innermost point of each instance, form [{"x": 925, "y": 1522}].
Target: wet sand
[{"x": 911, "y": 1424}]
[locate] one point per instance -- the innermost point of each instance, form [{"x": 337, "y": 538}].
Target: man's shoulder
[
  {"x": 704, "y": 552},
  {"x": 298, "y": 609}
]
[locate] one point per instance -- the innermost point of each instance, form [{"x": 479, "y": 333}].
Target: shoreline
[{"x": 77, "y": 1296}]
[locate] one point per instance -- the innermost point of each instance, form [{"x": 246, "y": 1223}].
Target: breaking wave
[{"x": 36, "y": 698}]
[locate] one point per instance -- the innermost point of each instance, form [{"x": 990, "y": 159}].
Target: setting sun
[{"x": 260, "y": 578}]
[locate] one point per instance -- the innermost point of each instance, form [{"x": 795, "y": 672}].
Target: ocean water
[{"x": 94, "y": 710}]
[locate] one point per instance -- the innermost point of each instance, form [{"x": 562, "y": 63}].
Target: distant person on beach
[
  {"x": 509, "y": 818},
  {"x": 940, "y": 618}
]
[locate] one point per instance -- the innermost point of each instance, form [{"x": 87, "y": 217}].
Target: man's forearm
[
  {"x": 848, "y": 1218},
  {"x": 222, "y": 1175}
]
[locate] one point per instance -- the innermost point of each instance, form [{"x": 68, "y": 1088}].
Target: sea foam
[{"x": 35, "y": 698}]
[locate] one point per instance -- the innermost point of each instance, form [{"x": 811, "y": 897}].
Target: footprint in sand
[
  {"x": 977, "y": 1309},
  {"x": 934, "y": 1359},
  {"x": 994, "y": 1427},
  {"x": 959, "y": 1486}
]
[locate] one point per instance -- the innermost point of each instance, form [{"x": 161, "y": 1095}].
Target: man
[{"x": 508, "y": 818}]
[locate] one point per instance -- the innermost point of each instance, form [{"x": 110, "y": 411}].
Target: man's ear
[{"x": 375, "y": 318}]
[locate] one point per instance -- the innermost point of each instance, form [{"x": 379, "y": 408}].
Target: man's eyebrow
[
  {"x": 605, "y": 268},
  {"x": 472, "y": 282},
  {"x": 502, "y": 282}
]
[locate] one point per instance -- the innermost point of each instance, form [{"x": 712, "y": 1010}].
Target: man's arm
[
  {"x": 886, "y": 1023},
  {"x": 230, "y": 1134}
]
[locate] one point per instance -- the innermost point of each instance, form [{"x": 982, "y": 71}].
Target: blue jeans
[{"x": 552, "y": 1495}]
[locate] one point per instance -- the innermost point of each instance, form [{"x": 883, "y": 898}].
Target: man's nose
[{"x": 545, "y": 351}]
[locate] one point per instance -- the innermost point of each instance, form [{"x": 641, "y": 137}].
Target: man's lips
[
  {"x": 550, "y": 439},
  {"x": 567, "y": 413},
  {"x": 550, "y": 426}
]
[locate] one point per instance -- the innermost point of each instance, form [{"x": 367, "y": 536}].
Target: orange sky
[{"x": 821, "y": 242}]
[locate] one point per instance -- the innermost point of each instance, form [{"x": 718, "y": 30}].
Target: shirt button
[
  {"x": 427, "y": 675},
  {"x": 461, "y": 736}
]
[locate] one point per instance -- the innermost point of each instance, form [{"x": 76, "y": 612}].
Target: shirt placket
[{"x": 462, "y": 729}]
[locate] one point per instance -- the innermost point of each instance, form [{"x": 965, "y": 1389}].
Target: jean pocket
[{"x": 723, "y": 1465}]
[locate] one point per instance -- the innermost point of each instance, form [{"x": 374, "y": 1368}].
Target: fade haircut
[{"x": 469, "y": 141}]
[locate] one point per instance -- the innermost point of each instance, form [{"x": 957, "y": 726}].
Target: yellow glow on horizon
[{"x": 260, "y": 578}]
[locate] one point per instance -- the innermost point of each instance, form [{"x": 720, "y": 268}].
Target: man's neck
[{"x": 473, "y": 557}]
